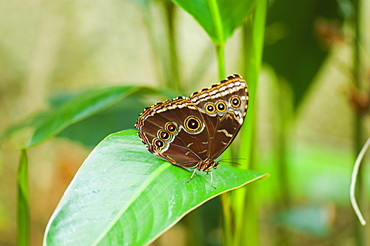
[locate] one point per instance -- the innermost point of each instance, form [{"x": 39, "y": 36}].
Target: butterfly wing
[
  {"x": 224, "y": 107},
  {"x": 175, "y": 130},
  {"x": 192, "y": 132}
]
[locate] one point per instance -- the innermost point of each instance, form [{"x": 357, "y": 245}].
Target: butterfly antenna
[{"x": 233, "y": 161}]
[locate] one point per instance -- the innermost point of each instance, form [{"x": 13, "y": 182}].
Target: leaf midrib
[{"x": 158, "y": 171}]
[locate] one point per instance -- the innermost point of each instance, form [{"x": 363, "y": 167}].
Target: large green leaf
[
  {"x": 219, "y": 18},
  {"x": 123, "y": 195}
]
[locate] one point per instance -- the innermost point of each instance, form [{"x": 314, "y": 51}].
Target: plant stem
[
  {"x": 157, "y": 55},
  {"x": 283, "y": 117},
  {"x": 220, "y": 51},
  {"x": 217, "y": 22},
  {"x": 253, "y": 37},
  {"x": 173, "y": 78},
  {"x": 227, "y": 218},
  {"x": 252, "y": 50},
  {"x": 23, "y": 210},
  {"x": 220, "y": 42},
  {"x": 245, "y": 205}
]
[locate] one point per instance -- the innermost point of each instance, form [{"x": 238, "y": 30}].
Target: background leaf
[
  {"x": 77, "y": 109},
  {"x": 123, "y": 195},
  {"x": 293, "y": 47},
  {"x": 122, "y": 115},
  {"x": 81, "y": 107},
  {"x": 232, "y": 13}
]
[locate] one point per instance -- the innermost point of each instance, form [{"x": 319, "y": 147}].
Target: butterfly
[{"x": 191, "y": 132}]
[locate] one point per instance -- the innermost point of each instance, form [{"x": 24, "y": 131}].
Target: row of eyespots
[
  {"x": 164, "y": 135},
  {"x": 192, "y": 125},
  {"x": 221, "y": 106}
]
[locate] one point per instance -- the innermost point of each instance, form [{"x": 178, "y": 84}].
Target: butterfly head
[{"x": 206, "y": 165}]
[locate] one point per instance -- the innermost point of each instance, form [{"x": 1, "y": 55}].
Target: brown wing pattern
[
  {"x": 192, "y": 132},
  {"x": 184, "y": 145},
  {"x": 229, "y": 101}
]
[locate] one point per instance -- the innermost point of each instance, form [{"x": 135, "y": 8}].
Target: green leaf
[
  {"x": 219, "y": 18},
  {"x": 23, "y": 210},
  {"x": 123, "y": 195},
  {"x": 122, "y": 115},
  {"x": 77, "y": 109},
  {"x": 81, "y": 107},
  {"x": 292, "y": 48}
]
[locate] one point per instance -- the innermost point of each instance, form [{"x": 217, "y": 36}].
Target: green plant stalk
[
  {"x": 220, "y": 51},
  {"x": 227, "y": 155},
  {"x": 157, "y": 55},
  {"x": 358, "y": 130},
  {"x": 252, "y": 45},
  {"x": 247, "y": 206},
  {"x": 247, "y": 136},
  {"x": 216, "y": 20},
  {"x": 220, "y": 45},
  {"x": 227, "y": 218},
  {"x": 23, "y": 211},
  {"x": 225, "y": 198},
  {"x": 173, "y": 78},
  {"x": 283, "y": 117}
]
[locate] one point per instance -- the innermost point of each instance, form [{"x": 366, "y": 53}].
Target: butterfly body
[{"x": 193, "y": 131}]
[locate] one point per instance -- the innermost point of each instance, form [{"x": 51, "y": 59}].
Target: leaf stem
[
  {"x": 220, "y": 51},
  {"x": 220, "y": 41},
  {"x": 173, "y": 78},
  {"x": 217, "y": 22}
]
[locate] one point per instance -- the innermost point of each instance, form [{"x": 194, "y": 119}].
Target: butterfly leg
[
  {"x": 191, "y": 177},
  {"x": 210, "y": 173}
]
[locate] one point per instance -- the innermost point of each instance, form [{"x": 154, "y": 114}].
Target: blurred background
[{"x": 307, "y": 104}]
